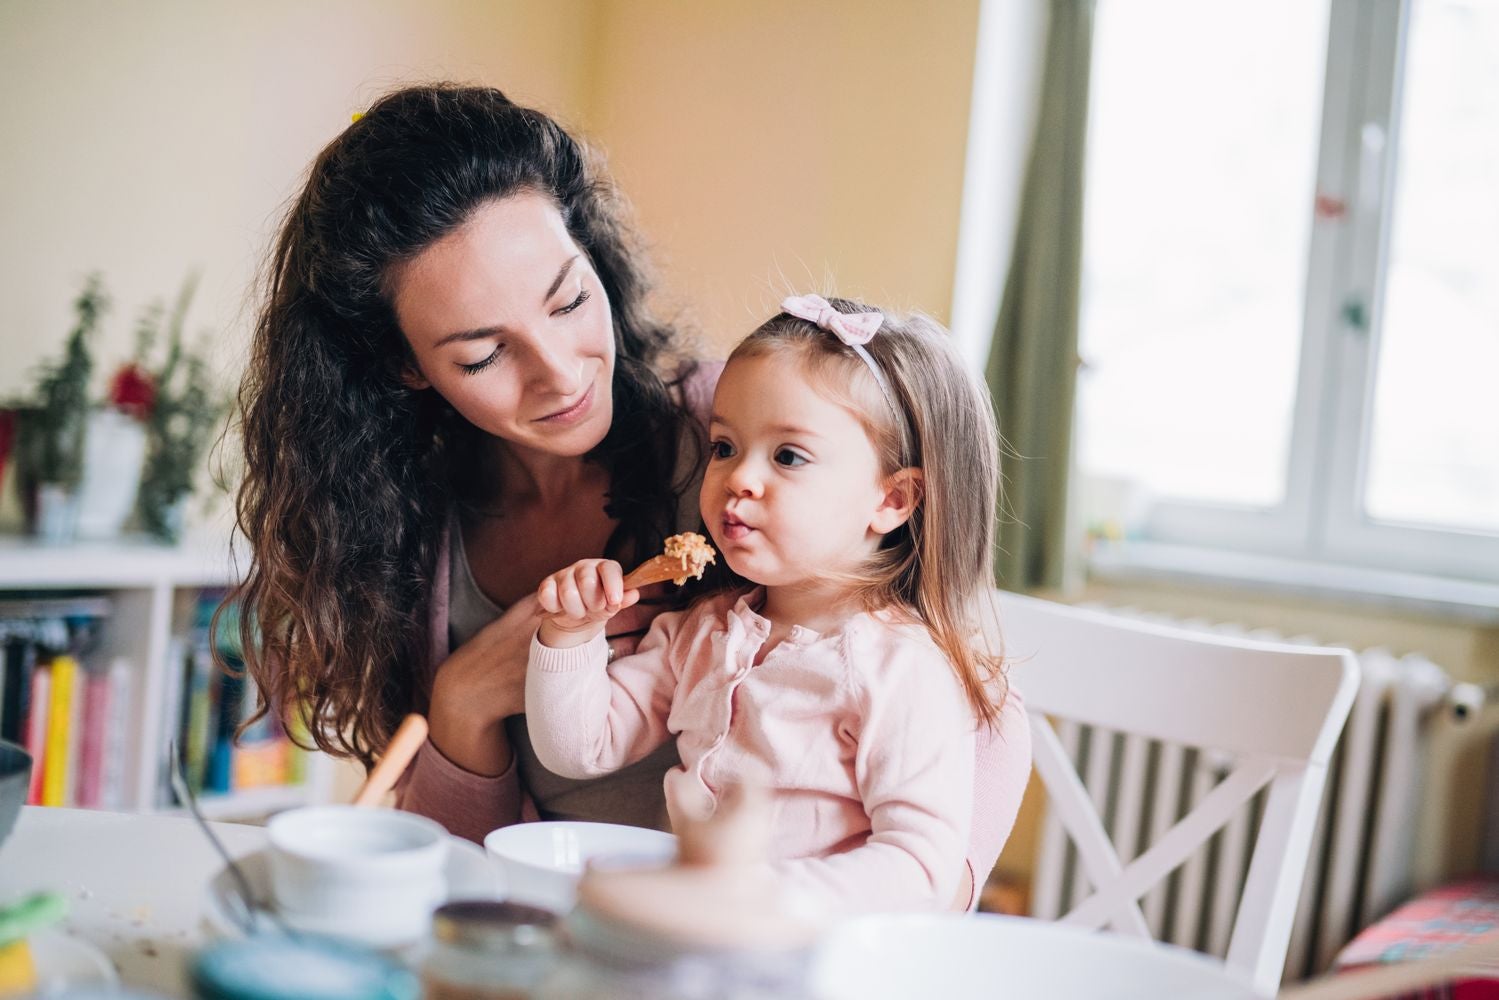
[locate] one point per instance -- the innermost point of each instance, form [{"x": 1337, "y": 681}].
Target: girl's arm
[
  {"x": 588, "y": 717},
  {"x": 914, "y": 767},
  {"x": 1002, "y": 767}
]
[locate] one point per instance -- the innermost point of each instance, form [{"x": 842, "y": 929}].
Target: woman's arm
[
  {"x": 464, "y": 776},
  {"x": 481, "y": 684}
]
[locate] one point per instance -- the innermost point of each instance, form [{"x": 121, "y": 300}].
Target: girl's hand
[
  {"x": 577, "y": 601},
  {"x": 478, "y": 686}
]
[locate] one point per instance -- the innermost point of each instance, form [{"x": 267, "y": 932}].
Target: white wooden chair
[{"x": 1276, "y": 710}]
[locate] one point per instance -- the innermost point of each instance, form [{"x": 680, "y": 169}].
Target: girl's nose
[{"x": 744, "y": 480}]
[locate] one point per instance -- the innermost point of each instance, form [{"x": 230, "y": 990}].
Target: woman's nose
[{"x": 555, "y": 369}]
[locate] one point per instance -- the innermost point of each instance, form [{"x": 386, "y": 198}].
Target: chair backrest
[{"x": 1276, "y": 709}]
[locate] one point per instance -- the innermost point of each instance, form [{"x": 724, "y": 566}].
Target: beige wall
[
  {"x": 784, "y": 144},
  {"x": 766, "y": 146},
  {"x": 146, "y": 139}
]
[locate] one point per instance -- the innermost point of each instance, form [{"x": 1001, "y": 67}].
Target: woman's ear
[
  {"x": 413, "y": 379},
  {"x": 903, "y": 491}
]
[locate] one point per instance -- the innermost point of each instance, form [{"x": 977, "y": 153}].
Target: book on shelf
[
  {"x": 207, "y": 698},
  {"x": 35, "y": 734},
  {"x": 103, "y": 736},
  {"x": 50, "y": 701}
]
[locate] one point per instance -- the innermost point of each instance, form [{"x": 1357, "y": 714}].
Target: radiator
[{"x": 1361, "y": 857}]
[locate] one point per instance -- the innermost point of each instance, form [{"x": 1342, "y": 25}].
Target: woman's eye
[
  {"x": 789, "y": 458},
  {"x": 574, "y": 304},
  {"x": 721, "y": 449},
  {"x": 479, "y": 366}
]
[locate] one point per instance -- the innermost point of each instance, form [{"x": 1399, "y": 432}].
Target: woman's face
[{"x": 509, "y": 323}]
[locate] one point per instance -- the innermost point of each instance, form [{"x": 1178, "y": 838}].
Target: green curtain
[{"x": 1032, "y": 369}]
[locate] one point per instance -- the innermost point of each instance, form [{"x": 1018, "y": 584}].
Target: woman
[{"x": 455, "y": 389}]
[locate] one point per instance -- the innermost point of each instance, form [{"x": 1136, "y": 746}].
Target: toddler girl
[{"x": 851, "y": 490}]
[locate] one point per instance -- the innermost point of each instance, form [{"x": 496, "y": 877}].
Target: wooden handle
[
  {"x": 655, "y": 570},
  {"x": 410, "y": 735}
]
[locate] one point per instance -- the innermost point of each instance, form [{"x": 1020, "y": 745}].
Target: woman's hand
[
  {"x": 478, "y": 686},
  {"x": 577, "y": 601}
]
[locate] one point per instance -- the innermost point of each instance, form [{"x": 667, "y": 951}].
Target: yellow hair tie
[{"x": 357, "y": 115}]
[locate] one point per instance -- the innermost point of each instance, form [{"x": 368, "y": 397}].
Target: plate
[
  {"x": 470, "y": 875},
  {"x": 62, "y": 961}
]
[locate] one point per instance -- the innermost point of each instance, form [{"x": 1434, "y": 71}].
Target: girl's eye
[
  {"x": 574, "y": 304},
  {"x": 479, "y": 366},
  {"x": 721, "y": 449},
  {"x": 790, "y": 459}
]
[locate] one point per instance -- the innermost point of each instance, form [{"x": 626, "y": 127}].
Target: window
[{"x": 1290, "y": 318}]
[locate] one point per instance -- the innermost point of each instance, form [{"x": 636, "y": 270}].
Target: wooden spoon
[{"x": 410, "y": 735}]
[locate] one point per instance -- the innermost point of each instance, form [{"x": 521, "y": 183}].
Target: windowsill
[{"x": 1464, "y": 600}]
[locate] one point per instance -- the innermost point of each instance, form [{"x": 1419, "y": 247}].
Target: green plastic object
[
  {"x": 272, "y": 967},
  {"x": 31, "y": 914}
]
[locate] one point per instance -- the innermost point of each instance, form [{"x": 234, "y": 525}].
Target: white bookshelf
[{"x": 153, "y": 589}]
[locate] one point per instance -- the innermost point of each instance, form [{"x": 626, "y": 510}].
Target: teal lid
[{"x": 303, "y": 968}]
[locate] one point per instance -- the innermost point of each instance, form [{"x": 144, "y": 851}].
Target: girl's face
[
  {"x": 793, "y": 489},
  {"x": 508, "y": 322}
]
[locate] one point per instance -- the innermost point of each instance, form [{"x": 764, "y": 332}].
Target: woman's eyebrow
[
  {"x": 490, "y": 331},
  {"x": 479, "y": 334},
  {"x": 561, "y": 276}
]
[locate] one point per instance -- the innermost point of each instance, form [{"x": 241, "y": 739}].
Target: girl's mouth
[
  {"x": 571, "y": 414},
  {"x": 734, "y": 529}
]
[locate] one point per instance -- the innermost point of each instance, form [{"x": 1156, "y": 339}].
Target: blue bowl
[{"x": 15, "y": 781}]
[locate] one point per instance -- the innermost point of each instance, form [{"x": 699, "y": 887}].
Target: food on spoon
[{"x": 686, "y": 555}]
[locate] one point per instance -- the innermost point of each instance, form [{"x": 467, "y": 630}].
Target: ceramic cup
[
  {"x": 543, "y": 861},
  {"x": 371, "y": 875}
]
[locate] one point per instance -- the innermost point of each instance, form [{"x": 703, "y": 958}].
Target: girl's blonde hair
[{"x": 939, "y": 565}]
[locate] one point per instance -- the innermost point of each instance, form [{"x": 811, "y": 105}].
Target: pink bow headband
[{"x": 853, "y": 329}]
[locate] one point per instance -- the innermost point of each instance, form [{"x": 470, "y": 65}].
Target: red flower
[{"x": 133, "y": 391}]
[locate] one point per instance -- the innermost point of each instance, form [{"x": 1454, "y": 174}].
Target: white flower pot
[
  {"x": 114, "y": 452},
  {"x": 56, "y": 514}
]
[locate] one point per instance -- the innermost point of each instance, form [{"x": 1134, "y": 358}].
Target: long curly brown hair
[{"x": 350, "y": 475}]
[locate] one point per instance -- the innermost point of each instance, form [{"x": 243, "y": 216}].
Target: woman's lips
[{"x": 571, "y": 414}]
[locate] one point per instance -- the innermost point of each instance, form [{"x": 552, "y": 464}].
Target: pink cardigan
[
  {"x": 470, "y": 805},
  {"x": 863, "y": 735}
]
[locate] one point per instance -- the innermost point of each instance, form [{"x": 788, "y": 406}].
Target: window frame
[{"x": 1322, "y": 517}]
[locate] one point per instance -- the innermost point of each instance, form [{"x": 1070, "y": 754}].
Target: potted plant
[
  {"x": 115, "y": 443},
  {"x": 183, "y": 418},
  {"x": 50, "y": 439}
]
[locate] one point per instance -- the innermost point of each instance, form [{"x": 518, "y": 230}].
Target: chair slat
[
  {"x": 1069, "y": 799},
  {"x": 1274, "y": 708}
]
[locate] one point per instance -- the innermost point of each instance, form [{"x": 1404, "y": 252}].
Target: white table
[
  {"x": 134, "y": 883},
  {"x": 981, "y": 956}
]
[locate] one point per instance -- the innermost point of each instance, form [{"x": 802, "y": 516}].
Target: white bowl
[
  {"x": 377, "y": 874},
  {"x": 469, "y": 874},
  {"x": 543, "y": 861},
  {"x": 968, "y": 957}
]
